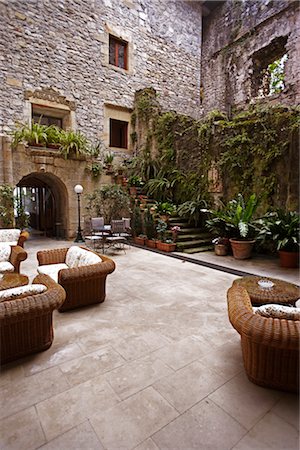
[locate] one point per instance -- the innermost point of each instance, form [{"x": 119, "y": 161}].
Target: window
[
  {"x": 118, "y": 131},
  {"x": 47, "y": 115},
  {"x": 47, "y": 120},
  {"x": 269, "y": 69},
  {"x": 118, "y": 50}
]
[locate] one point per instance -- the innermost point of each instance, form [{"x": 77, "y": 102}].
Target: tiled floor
[{"x": 156, "y": 366}]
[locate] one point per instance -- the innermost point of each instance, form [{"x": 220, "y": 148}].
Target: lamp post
[{"x": 78, "y": 189}]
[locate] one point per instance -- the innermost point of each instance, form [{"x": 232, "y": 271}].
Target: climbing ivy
[{"x": 6, "y": 205}]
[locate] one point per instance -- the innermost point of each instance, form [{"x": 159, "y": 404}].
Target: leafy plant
[
  {"x": 23, "y": 218},
  {"x": 237, "y": 217},
  {"x": 135, "y": 181},
  {"x": 95, "y": 168},
  {"x": 53, "y": 135},
  {"x": 109, "y": 158},
  {"x": 137, "y": 224},
  {"x": 109, "y": 201},
  {"x": 192, "y": 209},
  {"x": 6, "y": 205},
  {"x": 281, "y": 227},
  {"x": 165, "y": 208},
  {"x": 35, "y": 134},
  {"x": 73, "y": 143},
  {"x": 161, "y": 229},
  {"x": 149, "y": 224}
]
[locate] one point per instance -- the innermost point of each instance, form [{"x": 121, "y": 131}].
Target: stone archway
[{"x": 45, "y": 198}]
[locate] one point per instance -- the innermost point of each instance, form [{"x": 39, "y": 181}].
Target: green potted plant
[
  {"x": 165, "y": 210},
  {"x": 165, "y": 244},
  {"x": 34, "y": 135},
  {"x": 53, "y": 136},
  {"x": 222, "y": 232},
  {"x": 108, "y": 161},
  {"x": 134, "y": 182},
  {"x": 238, "y": 218},
  {"x": 150, "y": 230},
  {"x": 282, "y": 227},
  {"x": 73, "y": 143},
  {"x": 137, "y": 227}
]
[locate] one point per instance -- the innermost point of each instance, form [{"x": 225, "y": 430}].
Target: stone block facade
[{"x": 234, "y": 34}]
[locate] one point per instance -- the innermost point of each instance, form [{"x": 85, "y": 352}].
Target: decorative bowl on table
[{"x": 265, "y": 284}]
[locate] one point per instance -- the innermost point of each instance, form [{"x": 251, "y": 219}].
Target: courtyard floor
[{"x": 156, "y": 366}]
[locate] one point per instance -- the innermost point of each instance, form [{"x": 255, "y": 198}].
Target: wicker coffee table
[
  {"x": 282, "y": 292},
  {"x": 11, "y": 280}
]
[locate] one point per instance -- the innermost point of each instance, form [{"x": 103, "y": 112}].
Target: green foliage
[
  {"x": 135, "y": 181},
  {"x": 6, "y": 205},
  {"x": 146, "y": 104},
  {"x": 109, "y": 158},
  {"x": 73, "y": 144},
  {"x": 192, "y": 209},
  {"x": 277, "y": 73},
  {"x": 36, "y": 134},
  {"x": 23, "y": 218},
  {"x": 53, "y": 135},
  {"x": 149, "y": 224},
  {"x": 109, "y": 201},
  {"x": 282, "y": 228},
  {"x": 236, "y": 217},
  {"x": 95, "y": 168},
  {"x": 161, "y": 229},
  {"x": 136, "y": 222},
  {"x": 165, "y": 208}
]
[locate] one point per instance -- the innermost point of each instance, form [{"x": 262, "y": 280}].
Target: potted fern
[
  {"x": 282, "y": 228},
  {"x": 150, "y": 229}
]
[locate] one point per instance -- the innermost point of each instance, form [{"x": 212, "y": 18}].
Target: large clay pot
[
  {"x": 289, "y": 260},
  {"x": 241, "y": 249}
]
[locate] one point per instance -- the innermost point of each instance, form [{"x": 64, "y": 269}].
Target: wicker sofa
[
  {"x": 26, "y": 323},
  {"x": 11, "y": 258},
  {"x": 270, "y": 346},
  {"x": 84, "y": 284},
  {"x": 13, "y": 236}
]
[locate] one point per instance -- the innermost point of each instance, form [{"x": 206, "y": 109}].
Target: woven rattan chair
[
  {"x": 17, "y": 255},
  {"x": 84, "y": 285},
  {"x": 270, "y": 346},
  {"x": 26, "y": 324}
]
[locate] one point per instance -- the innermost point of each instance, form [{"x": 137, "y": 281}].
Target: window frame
[
  {"x": 117, "y": 44},
  {"x": 124, "y": 131}
]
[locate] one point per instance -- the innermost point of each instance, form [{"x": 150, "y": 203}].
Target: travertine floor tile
[
  {"x": 288, "y": 409},
  {"x": 270, "y": 433},
  {"x": 82, "y": 369},
  {"x": 79, "y": 438},
  {"x": 148, "y": 444},
  {"x": 136, "y": 419},
  {"x": 101, "y": 337},
  {"x": 225, "y": 360},
  {"x": 204, "y": 427},
  {"x": 64, "y": 411},
  {"x": 21, "y": 431},
  {"x": 181, "y": 353},
  {"x": 136, "y": 375},
  {"x": 30, "y": 390},
  {"x": 188, "y": 386},
  {"x": 245, "y": 401}
]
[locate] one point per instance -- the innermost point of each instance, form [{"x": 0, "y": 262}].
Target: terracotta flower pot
[
  {"x": 289, "y": 260},
  {"x": 151, "y": 243},
  {"x": 241, "y": 249},
  {"x": 221, "y": 249},
  {"x": 165, "y": 247},
  {"x": 139, "y": 240}
]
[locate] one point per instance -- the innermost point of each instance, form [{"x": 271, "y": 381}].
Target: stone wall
[
  {"x": 232, "y": 33},
  {"x": 63, "y": 45}
]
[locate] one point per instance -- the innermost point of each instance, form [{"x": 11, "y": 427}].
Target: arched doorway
[{"x": 44, "y": 198}]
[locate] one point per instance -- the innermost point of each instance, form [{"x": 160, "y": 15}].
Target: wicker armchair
[
  {"x": 270, "y": 346},
  {"x": 84, "y": 285},
  {"x": 26, "y": 323},
  {"x": 16, "y": 256}
]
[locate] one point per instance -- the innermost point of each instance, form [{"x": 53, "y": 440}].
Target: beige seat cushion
[
  {"x": 278, "y": 311},
  {"x": 21, "y": 292},
  {"x": 9, "y": 235},
  {"x": 5, "y": 251},
  {"x": 52, "y": 270},
  {"x": 6, "y": 266}
]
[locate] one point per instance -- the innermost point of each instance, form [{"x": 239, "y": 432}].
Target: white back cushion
[
  {"x": 87, "y": 258},
  {"x": 22, "y": 291},
  {"x": 72, "y": 256},
  {"x": 278, "y": 311},
  {"x": 5, "y": 250},
  {"x": 9, "y": 234},
  {"x": 6, "y": 266}
]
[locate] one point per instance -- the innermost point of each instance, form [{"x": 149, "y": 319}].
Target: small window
[
  {"x": 269, "y": 69},
  {"x": 118, "y": 50},
  {"x": 118, "y": 130},
  {"x": 47, "y": 120}
]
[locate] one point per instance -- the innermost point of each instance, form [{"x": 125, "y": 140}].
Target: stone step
[
  {"x": 205, "y": 248},
  {"x": 193, "y": 243},
  {"x": 192, "y": 236}
]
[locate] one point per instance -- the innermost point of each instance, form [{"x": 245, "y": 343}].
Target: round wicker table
[
  {"x": 282, "y": 292},
  {"x": 11, "y": 280}
]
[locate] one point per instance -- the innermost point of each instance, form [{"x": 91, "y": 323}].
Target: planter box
[
  {"x": 165, "y": 247},
  {"x": 151, "y": 243},
  {"x": 139, "y": 240}
]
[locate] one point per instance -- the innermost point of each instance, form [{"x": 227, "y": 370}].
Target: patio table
[
  {"x": 100, "y": 237},
  {"x": 281, "y": 292}
]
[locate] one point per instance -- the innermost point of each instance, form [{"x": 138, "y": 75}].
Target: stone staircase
[{"x": 191, "y": 240}]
